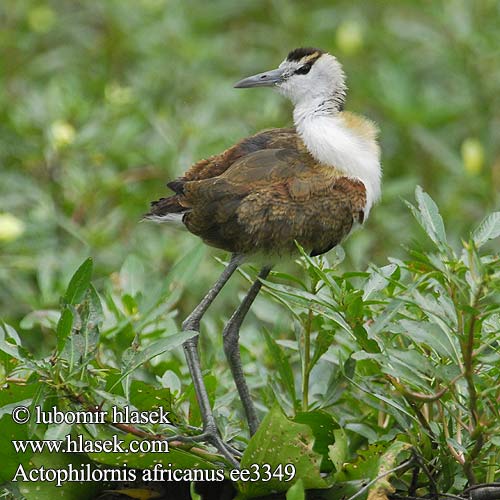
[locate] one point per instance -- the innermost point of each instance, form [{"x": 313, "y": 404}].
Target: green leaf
[
  {"x": 96, "y": 314},
  {"x": 488, "y": 229},
  {"x": 429, "y": 218},
  {"x": 283, "y": 366},
  {"x": 46, "y": 318},
  {"x": 429, "y": 333},
  {"x": 79, "y": 283},
  {"x": 11, "y": 396},
  {"x": 139, "y": 358},
  {"x": 323, "y": 341},
  {"x": 323, "y": 426},
  {"x": 9, "y": 458},
  {"x": 64, "y": 327},
  {"x": 378, "y": 280},
  {"x": 145, "y": 397},
  {"x": 296, "y": 492},
  {"x": 211, "y": 383},
  {"x": 308, "y": 300},
  {"x": 365, "y": 466},
  {"x": 10, "y": 343},
  {"x": 339, "y": 451},
  {"x": 279, "y": 441},
  {"x": 382, "y": 487}
]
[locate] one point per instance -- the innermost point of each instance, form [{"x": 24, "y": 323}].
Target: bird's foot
[{"x": 211, "y": 435}]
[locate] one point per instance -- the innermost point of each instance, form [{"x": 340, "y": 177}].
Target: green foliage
[
  {"x": 102, "y": 102},
  {"x": 392, "y": 379}
]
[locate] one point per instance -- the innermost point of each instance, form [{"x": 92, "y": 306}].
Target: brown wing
[
  {"x": 268, "y": 199},
  {"x": 214, "y": 166}
]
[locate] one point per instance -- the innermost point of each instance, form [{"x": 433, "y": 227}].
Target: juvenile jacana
[{"x": 309, "y": 184}]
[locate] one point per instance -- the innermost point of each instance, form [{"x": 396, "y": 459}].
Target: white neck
[{"x": 330, "y": 141}]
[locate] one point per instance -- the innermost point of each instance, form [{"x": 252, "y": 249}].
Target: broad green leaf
[
  {"x": 296, "y": 492},
  {"x": 323, "y": 426},
  {"x": 280, "y": 441},
  {"x": 488, "y": 229},
  {"x": 79, "y": 283},
  {"x": 91, "y": 318},
  {"x": 384, "y": 319},
  {"x": 145, "y": 397},
  {"x": 364, "y": 466}
]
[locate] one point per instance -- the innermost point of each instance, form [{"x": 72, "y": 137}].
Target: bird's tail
[{"x": 166, "y": 210}]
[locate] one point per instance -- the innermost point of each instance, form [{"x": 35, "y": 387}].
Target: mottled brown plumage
[{"x": 262, "y": 195}]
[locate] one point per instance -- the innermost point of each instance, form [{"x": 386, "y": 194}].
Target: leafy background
[{"x": 102, "y": 102}]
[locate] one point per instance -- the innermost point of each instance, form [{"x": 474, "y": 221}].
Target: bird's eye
[{"x": 303, "y": 70}]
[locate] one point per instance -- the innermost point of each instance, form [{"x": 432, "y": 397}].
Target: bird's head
[{"x": 307, "y": 75}]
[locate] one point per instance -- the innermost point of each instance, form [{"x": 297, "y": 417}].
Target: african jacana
[{"x": 309, "y": 184}]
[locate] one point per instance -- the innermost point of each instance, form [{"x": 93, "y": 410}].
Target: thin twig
[
  {"x": 404, "y": 465},
  {"x": 420, "y": 396}
]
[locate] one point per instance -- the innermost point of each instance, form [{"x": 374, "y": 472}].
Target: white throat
[{"x": 330, "y": 141}]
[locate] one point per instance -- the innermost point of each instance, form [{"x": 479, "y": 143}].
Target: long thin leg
[
  {"x": 231, "y": 335},
  {"x": 192, "y": 322}
]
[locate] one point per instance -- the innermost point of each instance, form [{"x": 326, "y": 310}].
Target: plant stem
[
  {"x": 468, "y": 356},
  {"x": 307, "y": 360}
]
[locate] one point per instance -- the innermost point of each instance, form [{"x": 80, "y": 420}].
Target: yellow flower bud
[
  {"x": 62, "y": 133},
  {"x": 10, "y": 227},
  {"x": 472, "y": 155},
  {"x": 349, "y": 37}
]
